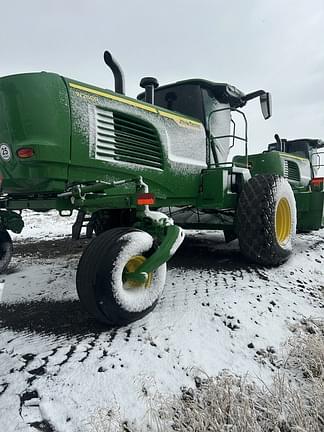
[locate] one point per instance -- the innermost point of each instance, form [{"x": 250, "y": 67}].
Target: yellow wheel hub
[
  {"x": 132, "y": 265},
  {"x": 283, "y": 221}
]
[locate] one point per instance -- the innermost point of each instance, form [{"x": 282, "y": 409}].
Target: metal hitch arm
[{"x": 171, "y": 242}]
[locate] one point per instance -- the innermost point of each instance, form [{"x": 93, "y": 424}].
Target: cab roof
[{"x": 223, "y": 92}]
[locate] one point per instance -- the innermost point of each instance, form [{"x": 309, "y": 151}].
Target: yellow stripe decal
[
  {"x": 114, "y": 97},
  {"x": 135, "y": 104},
  {"x": 178, "y": 118},
  {"x": 289, "y": 155}
]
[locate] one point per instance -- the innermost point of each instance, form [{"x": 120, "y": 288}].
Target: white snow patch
[
  {"x": 45, "y": 226},
  {"x": 178, "y": 242},
  {"x": 136, "y": 299}
]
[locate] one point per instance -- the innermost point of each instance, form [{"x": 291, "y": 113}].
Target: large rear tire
[
  {"x": 5, "y": 250},
  {"x": 266, "y": 220},
  {"x": 101, "y": 287},
  {"x": 103, "y": 220}
]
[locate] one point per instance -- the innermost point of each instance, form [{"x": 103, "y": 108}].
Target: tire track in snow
[
  {"x": 3, "y": 387},
  {"x": 29, "y": 409},
  {"x": 30, "y": 413},
  {"x": 210, "y": 284}
]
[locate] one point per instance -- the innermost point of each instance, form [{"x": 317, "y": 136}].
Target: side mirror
[{"x": 266, "y": 105}]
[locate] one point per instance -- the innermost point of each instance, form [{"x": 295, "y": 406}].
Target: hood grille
[
  {"x": 124, "y": 138},
  {"x": 291, "y": 170}
]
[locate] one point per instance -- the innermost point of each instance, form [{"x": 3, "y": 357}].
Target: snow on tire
[
  {"x": 101, "y": 287},
  {"x": 266, "y": 219}
]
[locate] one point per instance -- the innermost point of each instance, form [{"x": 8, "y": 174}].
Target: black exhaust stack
[
  {"x": 149, "y": 84},
  {"x": 117, "y": 71}
]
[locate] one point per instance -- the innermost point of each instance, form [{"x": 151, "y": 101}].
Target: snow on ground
[
  {"x": 58, "y": 367},
  {"x": 46, "y": 225}
]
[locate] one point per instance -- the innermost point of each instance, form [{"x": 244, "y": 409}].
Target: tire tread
[{"x": 256, "y": 221}]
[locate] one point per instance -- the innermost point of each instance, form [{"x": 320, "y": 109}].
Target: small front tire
[{"x": 101, "y": 287}]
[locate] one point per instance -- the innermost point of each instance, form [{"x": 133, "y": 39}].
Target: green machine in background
[{"x": 142, "y": 170}]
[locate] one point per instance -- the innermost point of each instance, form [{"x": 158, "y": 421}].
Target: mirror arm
[{"x": 253, "y": 95}]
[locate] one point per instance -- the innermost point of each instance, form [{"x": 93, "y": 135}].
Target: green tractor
[{"x": 144, "y": 169}]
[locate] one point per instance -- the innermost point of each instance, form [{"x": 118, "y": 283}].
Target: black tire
[
  {"x": 266, "y": 220},
  {"x": 103, "y": 220},
  {"x": 5, "y": 250},
  {"x": 99, "y": 282}
]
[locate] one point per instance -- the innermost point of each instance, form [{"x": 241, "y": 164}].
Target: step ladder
[{"x": 83, "y": 220}]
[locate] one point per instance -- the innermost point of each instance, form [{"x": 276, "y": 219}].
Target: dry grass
[
  {"x": 294, "y": 402},
  {"x": 230, "y": 403},
  {"x": 105, "y": 421},
  {"x": 306, "y": 349}
]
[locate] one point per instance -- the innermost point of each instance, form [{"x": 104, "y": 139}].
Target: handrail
[{"x": 212, "y": 138}]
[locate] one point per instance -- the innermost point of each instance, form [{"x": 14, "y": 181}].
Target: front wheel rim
[
  {"x": 283, "y": 222},
  {"x": 131, "y": 266}
]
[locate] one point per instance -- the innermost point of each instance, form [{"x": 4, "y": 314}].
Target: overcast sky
[{"x": 276, "y": 45}]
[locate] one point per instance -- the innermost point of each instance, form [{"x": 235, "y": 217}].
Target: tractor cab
[
  {"x": 209, "y": 102},
  {"x": 306, "y": 148}
]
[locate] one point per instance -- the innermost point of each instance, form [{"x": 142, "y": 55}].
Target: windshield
[
  {"x": 184, "y": 99},
  {"x": 317, "y": 159}
]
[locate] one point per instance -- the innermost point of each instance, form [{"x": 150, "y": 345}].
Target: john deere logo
[{"x": 5, "y": 152}]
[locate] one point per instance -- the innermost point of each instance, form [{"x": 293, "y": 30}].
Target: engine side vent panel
[
  {"x": 291, "y": 170},
  {"x": 123, "y": 138}
]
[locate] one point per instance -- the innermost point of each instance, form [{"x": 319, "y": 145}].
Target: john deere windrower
[{"x": 144, "y": 169}]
